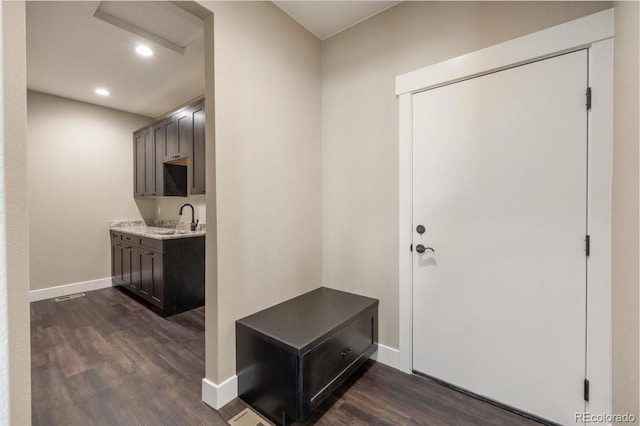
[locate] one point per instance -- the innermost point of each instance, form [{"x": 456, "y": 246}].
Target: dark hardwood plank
[
  {"x": 380, "y": 395},
  {"x": 105, "y": 359}
]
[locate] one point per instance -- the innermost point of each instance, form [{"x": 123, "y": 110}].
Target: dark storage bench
[{"x": 291, "y": 356}]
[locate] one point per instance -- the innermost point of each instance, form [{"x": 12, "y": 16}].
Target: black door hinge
[
  {"x": 588, "y": 98},
  {"x": 411, "y": 248},
  {"x": 586, "y": 389},
  {"x": 587, "y": 245}
]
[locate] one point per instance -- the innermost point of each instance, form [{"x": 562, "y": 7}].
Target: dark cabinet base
[
  {"x": 292, "y": 356},
  {"x": 168, "y": 274}
]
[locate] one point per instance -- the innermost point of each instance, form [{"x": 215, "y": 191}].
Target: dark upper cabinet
[
  {"x": 147, "y": 170},
  {"x": 198, "y": 158},
  {"x": 161, "y": 151},
  {"x": 158, "y": 141},
  {"x": 179, "y": 136},
  {"x": 139, "y": 163},
  {"x": 169, "y": 150},
  {"x": 149, "y": 163}
]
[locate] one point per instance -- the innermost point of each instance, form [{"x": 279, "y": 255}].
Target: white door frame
[{"x": 594, "y": 32}]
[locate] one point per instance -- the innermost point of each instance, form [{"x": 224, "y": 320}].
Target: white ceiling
[
  {"x": 70, "y": 53},
  {"x": 327, "y": 18}
]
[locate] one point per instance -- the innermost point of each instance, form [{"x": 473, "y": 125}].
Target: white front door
[{"x": 500, "y": 187}]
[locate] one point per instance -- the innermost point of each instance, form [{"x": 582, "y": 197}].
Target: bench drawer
[{"x": 330, "y": 358}]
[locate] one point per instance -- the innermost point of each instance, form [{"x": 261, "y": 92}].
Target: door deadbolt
[{"x": 420, "y": 229}]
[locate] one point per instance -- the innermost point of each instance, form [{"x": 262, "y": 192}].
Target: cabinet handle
[
  {"x": 345, "y": 352},
  {"x": 128, "y": 248}
]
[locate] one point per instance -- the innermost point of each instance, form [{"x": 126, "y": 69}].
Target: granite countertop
[{"x": 159, "y": 230}]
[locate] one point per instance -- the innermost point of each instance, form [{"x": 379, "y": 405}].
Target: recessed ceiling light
[
  {"x": 143, "y": 50},
  {"x": 102, "y": 92}
]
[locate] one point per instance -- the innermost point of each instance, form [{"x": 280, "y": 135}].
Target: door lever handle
[{"x": 421, "y": 249}]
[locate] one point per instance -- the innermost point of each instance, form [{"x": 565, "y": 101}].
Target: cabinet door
[
  {"x": 198, "y": 157},
  {"x": 184, "y": 123},
  {"x": 149, "y": 163},
  {"x": 127, "y": 264},
  {"x": 179, "y": 136},
  {"x": 116, "y": 262},
  {"x": 159, "y": 138},
  {"x": 151, "y": 278},
  {"x": 170, "y": 149},
  {"x": 133, "y": 283},
  {"x": 139, "y": 164},
  {"x": 146, "y": 272},
  {"x": 130, "y": 267},
  {"x": 157, "y": 287}
]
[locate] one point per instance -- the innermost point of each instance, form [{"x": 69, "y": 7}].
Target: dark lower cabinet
[
  {"x": 166, "y": 273},
  {"x": 129, "y": 254},
  {"x": 151, "y": 276},
  {"x": 290, "y": 357},
  {"x": 116, "y": 262}
]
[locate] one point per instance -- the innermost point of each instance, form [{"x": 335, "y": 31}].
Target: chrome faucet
[{"x": 194, "y": 222}]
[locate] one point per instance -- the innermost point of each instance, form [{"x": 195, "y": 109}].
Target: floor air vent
[
  {"x": 247, "y": 417},
  {"x": 69, "y": 297}
]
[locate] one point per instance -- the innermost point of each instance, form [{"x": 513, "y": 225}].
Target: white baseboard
[
  {"x": 217, "y": 396},
  {"x": 64, "y": 290},
  {"x": 386, "y": 355}
]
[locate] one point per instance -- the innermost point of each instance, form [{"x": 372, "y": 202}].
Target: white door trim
[
  {"x": 566, "y": 37},
  {"x": 594, "y": 32}
]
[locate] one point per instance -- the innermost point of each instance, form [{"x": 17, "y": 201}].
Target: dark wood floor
[{"x": 104, "y": 359}]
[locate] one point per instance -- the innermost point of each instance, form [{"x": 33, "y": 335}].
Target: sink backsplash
[
  {"x": 125, "y": 223},
  {"x": 162, "y": 223},
  {"x": 158, "y": 223},
  {"x": 173, "y": 224}
]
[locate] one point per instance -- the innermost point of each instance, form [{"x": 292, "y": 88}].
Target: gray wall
[
  {"x": 360, "y": 125},
  {"x": 14, "y": 266},
  {"x": 268, "y": 169},
  {"x": 625, "y": 263},
  {"x": 80, "y": 176}
]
